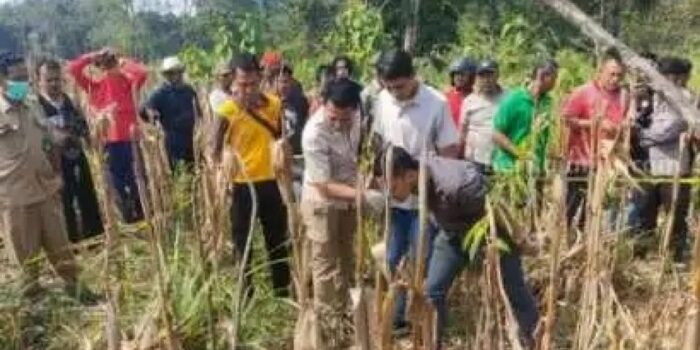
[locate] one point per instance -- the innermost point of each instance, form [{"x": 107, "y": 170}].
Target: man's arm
[
  {"x": 76, "y": 69},
  {"x": 447, "y": 139},
  {"x": 504, "y": 142},
  {"x": 135, "y": 71},
  {"x": 218, "y": 137}
]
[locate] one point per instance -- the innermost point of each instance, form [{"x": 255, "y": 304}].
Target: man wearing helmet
[{"x": 462, "y": 73}]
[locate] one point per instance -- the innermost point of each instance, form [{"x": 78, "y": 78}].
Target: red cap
[{"x": 271, "y": 58}]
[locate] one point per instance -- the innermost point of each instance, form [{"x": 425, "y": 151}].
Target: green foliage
[{"x": 358, "y": 33}]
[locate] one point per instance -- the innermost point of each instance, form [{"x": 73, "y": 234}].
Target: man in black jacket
[
  {"x": 80, "y": 205},
  {"x": 456, "y": 194}
]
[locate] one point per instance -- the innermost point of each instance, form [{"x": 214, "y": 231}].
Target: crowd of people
[{"x": 473, "y": 132}]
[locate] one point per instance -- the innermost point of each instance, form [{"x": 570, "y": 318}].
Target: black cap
[{"x": 487, "y": 66}]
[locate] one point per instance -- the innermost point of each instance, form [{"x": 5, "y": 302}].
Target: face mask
[{"x": 17, "y": 91}]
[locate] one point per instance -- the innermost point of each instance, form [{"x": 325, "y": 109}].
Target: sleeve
[
  {"x": 226, "y": 110},
  {"x": 574, "y": 105},
  {"x": 136, "y": 72},
  {"x": 151, "y": 103},
  {"x": 465, "y": 118},
  {"x": 665, "y": 127},
  {"x": 316, "y": 157},
  {"x": 503, "y": 120},
  {"x": 76, "y": 69},
  {"x": 446, "y": 133}
]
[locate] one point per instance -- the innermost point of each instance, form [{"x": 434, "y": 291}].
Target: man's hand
[{"x": 375, "y": 200}]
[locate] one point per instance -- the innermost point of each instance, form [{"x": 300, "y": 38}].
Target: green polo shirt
[{"x": 514, "y": 118}]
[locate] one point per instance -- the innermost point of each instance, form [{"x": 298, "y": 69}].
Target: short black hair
[
  {"x": 286, "y": 69},
  {"x": 9, "y": 59},
  {"x": 402, "y": 162},
  {"x": 342, "y": 93},
  {"x": 688, "y": 65},
  {"x": 672, "y": 65},
  {"x": 394, "y": 64},
  {"x": 348, "y": 62},
  {"x": 246, "y": 62},
  {"x": 548, "y": 66},
  {"x": 51, "y": 64},
  {"x": 612, "y": 54}
]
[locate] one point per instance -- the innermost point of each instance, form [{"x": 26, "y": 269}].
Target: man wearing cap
[
  {"x": 222, "y": 88},
  {"x": 330, "y": 144},
  {"x": 461, "y": 84},
  {"x": 478, "y": 110},
  {"x": 31, "y": 216},
  {"x": 174, "y": 105},
  {"x": 112, "y": 101}
]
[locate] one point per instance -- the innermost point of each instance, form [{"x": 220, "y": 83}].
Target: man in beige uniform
[
  {"x": 31, "y": 216},
  {"x": 330, "y": 145}
]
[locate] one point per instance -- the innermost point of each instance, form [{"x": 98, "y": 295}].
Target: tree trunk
[
  {"x": 589, "y": 27},
  {"x": 410, "y": 37}
]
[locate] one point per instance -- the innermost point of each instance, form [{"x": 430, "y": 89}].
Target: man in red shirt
[
  {"x": 462, "y": 74},
  {"x": 601, "y": 103},
  {"x": 112, "y": 96}
]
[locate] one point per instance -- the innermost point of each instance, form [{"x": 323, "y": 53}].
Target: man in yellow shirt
[{"x": 249, "y": 123}]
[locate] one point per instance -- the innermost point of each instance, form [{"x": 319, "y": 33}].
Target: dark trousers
[
  {"x": 121, "y": 169},
  {"x": 576, "y": 192},
  {"x": 273, "y": 217},
  {"x": 646, "y": 203},
  {"x": 449, "y": 259},
  {"x": 78, "y": 189},
  {"x": 179, "y": 145}
]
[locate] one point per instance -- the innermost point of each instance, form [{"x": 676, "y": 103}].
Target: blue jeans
[
  {"x": 404, "y": 240},
  {"x": 448, "y": 261},
  {"x": 121, "y": 170}
]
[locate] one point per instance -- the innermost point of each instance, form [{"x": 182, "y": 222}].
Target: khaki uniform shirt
[
  {"x": 329, "y": 156},
  {"x": 26, "y": 174}
]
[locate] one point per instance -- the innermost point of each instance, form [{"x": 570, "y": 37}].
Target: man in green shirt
[{"x": 523, "y": 117}]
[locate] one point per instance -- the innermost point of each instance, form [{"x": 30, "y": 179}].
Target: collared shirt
[
  {"x": 456, "y": 193},
  {"x": 178, "y": 109},
  {"x": 113, "y": 93},
  {"x": 329, "y": 155},
  {"x": 662, "y": 141},
  {"x": 26, "y": 174},
  {"x": 583, "y": 104},
  {"x": 516, "y": 115},
  {"x": 251, "y": 139},
  {"x": 66, "y": 118},
  {"x": 477, "y": 125},
  {"x": 217, "y": 97},
  {"x": 410, "y": 124}
]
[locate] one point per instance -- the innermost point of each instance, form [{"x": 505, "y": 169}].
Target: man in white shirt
[
  {"x": 409, "y": 114},
  {"x": 476, "y": 121}
]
